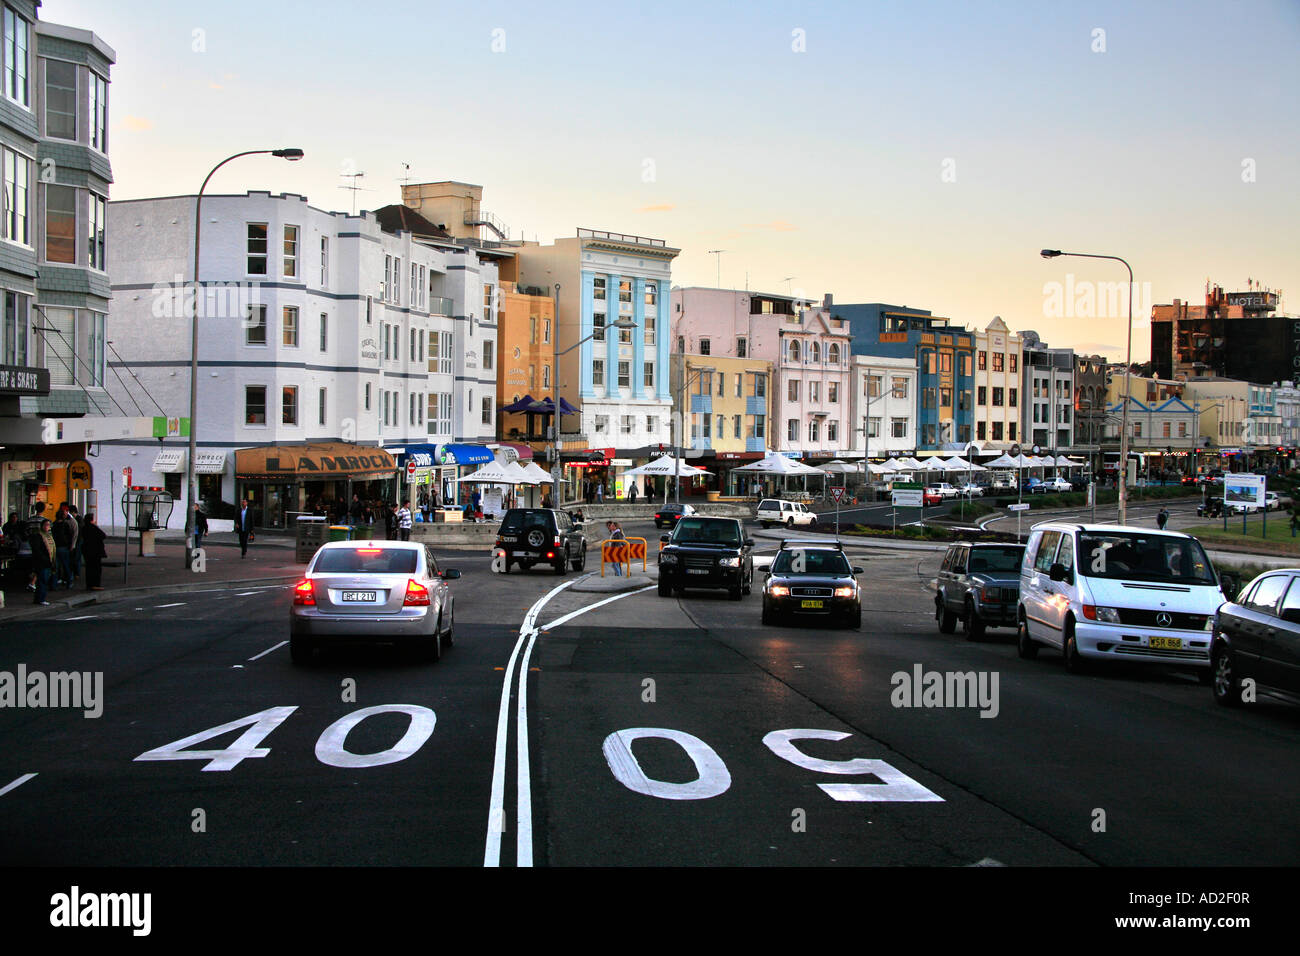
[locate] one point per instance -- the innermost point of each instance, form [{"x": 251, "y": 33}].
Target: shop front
[
  {"x": 282, "y": 482},
  {"x": 437, "y": 468},
  {"x": 588, "y": 474}
]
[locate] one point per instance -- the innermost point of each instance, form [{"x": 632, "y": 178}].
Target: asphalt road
[{"x": 651, "y": 731}]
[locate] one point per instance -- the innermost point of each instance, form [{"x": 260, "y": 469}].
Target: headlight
[
  {"x": 1106, "y": 615},
  {"x": 844, "y": 592},
  {"x": 729, "y": 562},
  {"x": 667, "y": 557},
  {"x": 778, "y": 590}
]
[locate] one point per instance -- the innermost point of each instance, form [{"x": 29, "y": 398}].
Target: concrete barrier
[{"x": 626, "y": 511}]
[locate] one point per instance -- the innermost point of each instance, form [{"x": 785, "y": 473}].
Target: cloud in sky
[
  {"x": 137, "y": 124},
  {"x": 1100, "y": 348},
  {"x": 661, "y": 207},
  {"x": 776, "y": 225}
]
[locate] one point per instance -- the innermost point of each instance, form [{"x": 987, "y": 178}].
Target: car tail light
[
  {"x": 417, "y": 595},
  {"x": 499, "y": 542},
  {"x": 550, "y": 554},
  {"x": 555, "y": 542},
  {"x": 304, "y": 594}
]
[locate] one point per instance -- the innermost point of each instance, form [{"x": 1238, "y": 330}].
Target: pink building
[{"x": 807, "y": 345}]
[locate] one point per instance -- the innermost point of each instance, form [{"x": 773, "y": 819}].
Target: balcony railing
[
  {"x": 620, "y": 237},
  {"x": 440, "y": 305}
]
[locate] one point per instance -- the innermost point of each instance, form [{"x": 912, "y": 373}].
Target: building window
[
  {"x": 649, "y": 379},
  {"x": 625, "y": 291},
  {"x": 598, "y": 373},
  {"x": 998, "y": 359},
  {"x": 873, "y": 427},
  {"x": 983, "y": 360},
  {"x": 814, "y": 431},
  {"x": 649, "y": 335},
  {"x": 256, "y": 248},
  {"x": 487, "y": 301},
  {"x": 760, "y": 385},
  {"x": 929, "y": 363},
  {"x": 97, "y": 232},
  {"x": 321, "y": 406},
  {"x": 60, "y": 223},
  {"x": 705, "y": 347},
  {"x": 681, "y": 344},
  {"x": 651, "y": 424},
  {"x": 651, "y": 293},
  {"x": 945, "y": 361},
  {"x": 626, "y": 424},
  {"x": 760, "y": 426},
  {"x": 832, "y": 431},
  {"x": 255, "y": 325},
  {"x": 624, "y": 335},
  {"x": 945, "y": 398},
  {"x": 980, "y": 430},
  {"x": 291, "y": 252},
  {"x": 624, "y": 374},
  {"x": 254, "y": 404},
  {"x": 963, "y": 363},
  {"x": 17, "y": 174},
  {"x": 367, "y": 394},
  {"x": 15, "y": 56},
  {"x": 722, "y": 384},
  {"x": 324, "y": 261},
  {"x": 997, "y": 426},
  {"x": 833, "y": 392},
  {"x": 900, "y": 387},
  {"x": 546, "y": 376},
  {"x": 289, "y": 405},
  {"x": 814, "y": 353},
  {"x": 792, "y": 430},
  {"x": 792, "y": 351},
  {"x": 60, "y": 99},
  {"x": 487, "y": 411},
  {"x": 927, "y": 398},
  {"x": 741, "y": 346},
  {"x": 289, "y": 327},
  {"x": 963, "y": 400},
  {"x": 792, "y": 390},
  {"x": 598, "y": 289},
  {"x": 997, "y": 396},
  {"x": 1011, "y": 431},
  {"x": 489, "y": 356},
  {"x": 898, "y": 427},
  {"x": 1012, "y": 397},
  {"x": 815, "y": 392},
  {"x": 1014, "y": 363},
  {"x": 833, "y": 354},
  {"x": 598, "y": 326},
  {"x": 872, "y": 385}
]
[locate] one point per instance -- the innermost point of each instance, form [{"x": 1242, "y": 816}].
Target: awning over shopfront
[
  {"x": 588, "y": 457},
  {"x": 319, "y": 462},
  {"x": 210, "y": 463},
  {"x": 516, "y": 451},
  {"x": 170, "y": 460},
  {"x": 433, "y": 456}
]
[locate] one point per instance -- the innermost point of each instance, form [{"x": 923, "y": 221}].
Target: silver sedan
[{"x": 373, "y": 592}]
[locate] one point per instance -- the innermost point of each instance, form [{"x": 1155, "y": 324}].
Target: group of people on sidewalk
[{"x": 56, "y": 550}]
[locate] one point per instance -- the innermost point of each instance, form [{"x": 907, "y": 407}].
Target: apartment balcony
[{"x": 439, "y": 305}]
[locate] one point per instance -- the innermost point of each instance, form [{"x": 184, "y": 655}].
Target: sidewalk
[{"x": 270, "y": 560}]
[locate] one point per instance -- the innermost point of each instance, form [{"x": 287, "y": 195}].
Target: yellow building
[{"x": 725, "y": 405}]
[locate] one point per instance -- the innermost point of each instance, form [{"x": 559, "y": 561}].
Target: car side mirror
[
  {"x": 451, "y": 574},
  {"x": 664, "y": 538},
  {"x": 859, "y": 570},
  {"x": 1058, "y": 572},
  {"x": 749, "y": 542}
]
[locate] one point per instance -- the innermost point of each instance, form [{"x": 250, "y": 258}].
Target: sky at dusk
[{"x": 914, "y": 153}]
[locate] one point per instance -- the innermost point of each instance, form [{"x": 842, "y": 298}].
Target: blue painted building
[{"x": 944, "y": 355}]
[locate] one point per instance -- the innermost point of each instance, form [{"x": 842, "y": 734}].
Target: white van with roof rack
[
  {"x": 1117, "y": 592},
  {"x": 789, "y": 513}
]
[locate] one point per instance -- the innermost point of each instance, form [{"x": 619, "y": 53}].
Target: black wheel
[
  {"x": 769, "y": 616},
  {"x": 735, "y": 593},
  {"x": 665, "y": 589},
  {"x": 1226, "y": 681},
  {"x": 581, "y": 563},
  {"x": 789, "y": 522},
  {"x": 449, "y": 639},
  {"x": 947, "y": 620},
  {"x": 972, "y": 624},
  {"x": 765, "y": 524},
  {"x": 1026, "y": 646},
  {"x": 812, "y": 525},
  {"x": 748, "y": 586},
  {"x": 854, "y": 620},
  {"x": 300, "y": 650},
  {"x": 1074, "y": 663},
  {"x": 562, "y": 565}
]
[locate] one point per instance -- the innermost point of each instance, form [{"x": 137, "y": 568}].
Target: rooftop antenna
[
  {"x": 787, "y": 281},
  {"x": 354, "y": 188},
  {"x": 406, "y": 170},
  {"x": 718, "y": 253}
]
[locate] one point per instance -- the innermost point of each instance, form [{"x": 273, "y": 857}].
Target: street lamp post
[
  {"x": 621, "y": 324},
  {"x": 191, "y": 479},
  {"x": 1128, "y": 376}
]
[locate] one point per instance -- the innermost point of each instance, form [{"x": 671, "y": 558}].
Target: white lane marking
[
  {"x": 268, "y": 650},
  {"x": 245, "y": 593},
  {"x": 159, "y": 607},
  {"x": 83, "y": 617},
  {"x": 17, "y": 783},
  {"x": 591, "y": 607},
  {"x": 496, "y": 808},
  {"x": 524, "y": 778}
]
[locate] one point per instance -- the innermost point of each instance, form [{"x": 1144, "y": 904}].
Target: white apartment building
[
  {"x": 998, "y": 356},
  {"x": 315, "y": 327},
  {"x": 884, "y": 404},
  {"x": 1048, "y": 397}
]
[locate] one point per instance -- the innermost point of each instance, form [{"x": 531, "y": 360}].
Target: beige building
[{"x": 999, "y": 355}]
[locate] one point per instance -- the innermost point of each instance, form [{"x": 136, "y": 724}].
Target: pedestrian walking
[
  {"x": 95, "y": 550},
  {"x": 404, "y": 521},
  {"x": 613, "y": 533},
  {"x": 600, "y": 492},
  {"x": 43, "y": 555},
  {"x": 244, "y": 527},
  {"x": 631, "y": 493},
  {"x": 78, "y": 541},
  {"x": 1162, "y": 518},
  {"x": 64, "y": 534},
  {"x": 200, "y": 526},
  {"x": 390, "y": 522}
]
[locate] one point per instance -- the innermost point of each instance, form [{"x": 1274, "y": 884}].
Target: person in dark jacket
[
  {"x": 78, "y": 541},
  {"x": 94, "y": 549},
  {"x": 44, "y": 551},
  {"x": 64, "y": 533},
  {"x": 33, "y": 528},
  {"x": 200, "y": 526},
  {"x": 244, "y": 526},
  {"x": 1162, "y": 519}
]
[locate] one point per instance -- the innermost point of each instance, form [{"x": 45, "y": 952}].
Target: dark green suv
[{"x": 706, "y": 553}]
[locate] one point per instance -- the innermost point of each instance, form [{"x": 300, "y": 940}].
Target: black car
[
  {"x": 670, "y": 514},
  {"x": 706, "y": 553},
  {"x": 812, "y": 580},
  {"x": 978, "y": 584},
  {"x": 529, "y": 536},
  {"x": 1210, "y": 508},
  {"x": 1257, "y": 636}
]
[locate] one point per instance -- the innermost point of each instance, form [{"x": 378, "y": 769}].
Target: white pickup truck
[{"x": 943, "y": 490}]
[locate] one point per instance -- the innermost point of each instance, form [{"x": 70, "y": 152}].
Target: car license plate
[
  {"x": 510, "y": 538},
  {"x": 1165, "y": 643},
  {"x": 358, "y": 597},
  {"x": 813, "y": 605},
  {"x": 697, "y": 570}
]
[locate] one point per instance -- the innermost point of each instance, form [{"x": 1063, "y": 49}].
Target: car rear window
[
  {"x": 769, "y": 504},
  {"x": 367, "y": 561},
  {"x": 516, "y": 521},
  {"x": 814, "y": 562},
  {"x": 996, "y": 559},
  {"x": 706, "y": 531}
]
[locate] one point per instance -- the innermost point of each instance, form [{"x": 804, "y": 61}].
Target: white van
[
  {"x": 1114, "y": 592},
  {"x": 789, "y": 513}
]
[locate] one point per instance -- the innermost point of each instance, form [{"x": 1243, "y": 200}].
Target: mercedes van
[{"x": 1116, "y": 592}]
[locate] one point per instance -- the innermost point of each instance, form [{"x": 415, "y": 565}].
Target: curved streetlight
[
  {"x": 292, "y": 154},
  {"x": 1128, "y": 376}
]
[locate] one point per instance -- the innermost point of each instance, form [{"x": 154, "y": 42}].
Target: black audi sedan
[
  {"x": 671, "y": 513},
  {"x": 814, "y": 581},
  {"x": 707, "y": 553},
  {"x": 1256, "y": 640}
]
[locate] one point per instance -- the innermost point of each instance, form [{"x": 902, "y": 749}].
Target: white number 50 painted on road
[{"x": 712, "y": 777}]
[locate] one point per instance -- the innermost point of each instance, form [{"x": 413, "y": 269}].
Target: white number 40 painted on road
[
  {"x": 329, "y": 747},
  {"x": 712, "y": 777}
]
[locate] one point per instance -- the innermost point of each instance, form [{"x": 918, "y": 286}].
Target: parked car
[
  {"x": 1056, "y": 486},
  {"x": 1080, "y": 484},
  {"x": 1272, "y": 502},
  {"x": 1210, "y": 508},
  {"x": 943, "y": 490},
  {"x": 812, "y": 580},
  {"x": 706, "y": 553},
  {"x": 979, "y": 585},
  {"x": 531, "y": 536},
  {"x": 1257, "y": 636},
  {"x": 1032, "y": 486},
  {"x": 670, "y": 514},
  {"x": 789, "y": 513},
  {"x": 930, "y": 498},
  {"x": 1003, "y": 482},
  {"x": 971, "y": 491},
  {"x": 1113, "y": 592},
  {"x": 366, "y": 592}
]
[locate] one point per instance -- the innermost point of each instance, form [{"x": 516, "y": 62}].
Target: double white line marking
[{"x": 528, "y": 632}]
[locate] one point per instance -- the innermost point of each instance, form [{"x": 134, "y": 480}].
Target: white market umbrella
[
  {"x": 495, "y": 473},
  {"x": 910, "y": 464},
  {"x": 667, "y": 465},
  {"x": 957, "y": 464},
  {"x": 838, "y": 467},
  {"x": 888, "y": 468},
  {"x": 780, "y": 465},
  {"x": 535, "y": 472},
  {"x": 1006, "y": 461}
]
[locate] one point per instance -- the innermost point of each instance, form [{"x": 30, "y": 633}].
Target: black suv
[
  {"x": 812, "y": 579},
  {"x": 980, "y": 585},
  {"x": 531, "y": 536},
  {"x": 706, "y": 553}
]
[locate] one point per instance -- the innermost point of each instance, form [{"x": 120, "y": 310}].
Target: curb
[
  {"x": 593, "y": 583},
  {"x": 112, "y": 597}
]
